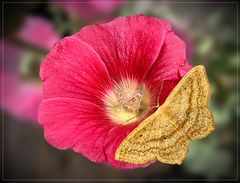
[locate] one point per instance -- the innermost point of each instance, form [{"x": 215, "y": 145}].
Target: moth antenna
[
  {"x": 164, "y": 77},
  {"x": 131, "y": 118}
]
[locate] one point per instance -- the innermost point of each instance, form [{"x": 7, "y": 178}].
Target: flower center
[{"x": 127, "y": 102}]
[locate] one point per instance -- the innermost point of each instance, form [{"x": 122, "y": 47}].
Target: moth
[{"x": 165, "y": 135}]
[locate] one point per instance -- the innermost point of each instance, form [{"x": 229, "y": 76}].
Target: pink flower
[
  {"x": 21, "y": 98},
  {"x": 38, "y": 31},
  {"x": 100, "y": 83},
  {"x": 90, "y": 8}
]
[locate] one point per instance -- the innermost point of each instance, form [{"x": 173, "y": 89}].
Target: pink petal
[
  {"x": 171, "y": 65},
  {"x": 77, "y": 124},
  {"x": 20, "y": 99},
  {"x": 127, "y": 45},
  {"x": 106, "y": 7},
  {"x": 182, "y": 72},
  {"x": 89, "y": 9},
  {"x": 73, "y": 69},
  {"x": 38, "y": 31},
  {"x": 24, "y": 101}
]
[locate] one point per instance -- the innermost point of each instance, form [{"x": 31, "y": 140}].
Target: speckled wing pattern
[{"x": 165, "y": 135}]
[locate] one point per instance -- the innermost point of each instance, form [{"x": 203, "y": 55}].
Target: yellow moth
[{"x": 165, "y": 135}]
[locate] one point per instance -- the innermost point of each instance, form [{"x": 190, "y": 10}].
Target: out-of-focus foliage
[
  {"x": 208, "y": 158},
  {"x": 210, "y": 33}
]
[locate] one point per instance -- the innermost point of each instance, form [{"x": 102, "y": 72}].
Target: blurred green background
[{"x": 29, "y": 30}]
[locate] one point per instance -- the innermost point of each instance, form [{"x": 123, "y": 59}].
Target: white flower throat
[{"x": 127, "y": 102}]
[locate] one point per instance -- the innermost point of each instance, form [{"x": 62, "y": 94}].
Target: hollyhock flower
[
  {"x": 100, "y": 83},
  {"x": 90, "y": 8},
  {"x": 21, "y": 98},
  {"x": 38, "y": 31}
]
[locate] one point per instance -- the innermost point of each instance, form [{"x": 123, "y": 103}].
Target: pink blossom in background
[
  {"x": 38, "y": 31},
  {"x": 81, "y": 70},
  {"x": 90, "y": 8},
  {"x": 21, "y": 98}
]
